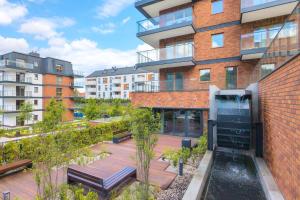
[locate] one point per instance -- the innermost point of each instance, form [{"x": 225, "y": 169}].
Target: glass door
[{"x": 179, "y": 81}]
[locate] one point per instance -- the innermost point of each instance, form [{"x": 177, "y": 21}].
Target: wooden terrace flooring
[{"x": 22, "y": 184}]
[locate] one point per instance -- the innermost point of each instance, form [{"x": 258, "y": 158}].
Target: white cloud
[
  {"x": 10, "y": 12},
  {"x": 36, "y": 1},
  {"x": 87, "y": 56},
  {"x": 104, "y": 28},
  {"x": 126, "y": 20},
  {"x": 13, "y": 44},
  {"x": 44, "y": 28},
  {"x": 112, "y": 8}
]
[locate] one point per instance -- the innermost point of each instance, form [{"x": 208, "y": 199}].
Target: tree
[
  {"x": 144, "y": 126},
  {"x": 91, "y": 110},
  {"x": 53, "y": 115},
  {"x": 26, "y": 112}
]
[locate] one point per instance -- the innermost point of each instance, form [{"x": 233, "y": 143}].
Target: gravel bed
[{"x": 181, "y": 183}]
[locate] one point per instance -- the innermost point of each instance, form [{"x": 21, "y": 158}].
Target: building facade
[
  {"x": 199, "y": 43},
  {"x": 33, "y": 79},
  {"x": 117, "y": 83}
]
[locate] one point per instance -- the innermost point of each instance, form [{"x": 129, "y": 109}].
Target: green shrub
[
  {"x": 79, "y": 138},
  {"x": 201, "y": 147}
]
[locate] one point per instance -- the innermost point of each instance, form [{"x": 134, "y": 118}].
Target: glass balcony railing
[
  {"x": 78, "y": 73},
  {"x": 17, "y": 64},
  {"x": 175, "y": 85},
  {"x": 16, "y": 79},
  {"x": 283, "y": 47},
  {"x": 13, "y": 93},
  {"x": 171, "y": 52},
  {"x": 177, "y": 17},
  {"x": 258, "y": 39},
  {"x": 10, "y": 108},
  {"x": 77, "y": 84},
  {"x": 251, "y": 3}
]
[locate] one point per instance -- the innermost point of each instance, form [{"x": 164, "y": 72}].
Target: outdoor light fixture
[{"x": 6, "y": 195}]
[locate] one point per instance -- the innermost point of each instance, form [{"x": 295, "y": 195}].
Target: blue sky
[{"x": 92, "y": 34}]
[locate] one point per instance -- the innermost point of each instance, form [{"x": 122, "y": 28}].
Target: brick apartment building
[
  {"x": 117, "y": 83},
  {"x": 202, "y": 43},
  {"x": 31, "y": 78},
  {"x": 229, "y": 44}
]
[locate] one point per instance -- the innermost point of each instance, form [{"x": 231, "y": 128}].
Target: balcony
[
  {"x": 180, "y": 55},
  {"x": 151, "y": 8},
  {"x": 254, "y": 10},
  {"x": 15, "y": 94},
  {"x": 180, "y": 93},
  {"x": 77, "y": 85},
  {"x": 15, "y": 79},
  {"x": 78, "y": 74},
  {"x": 116, "y": 80},
  {"x": 17, "y": 65},
  {"x": 174, "y": 24},
  {"x": 10, "y": 108}
]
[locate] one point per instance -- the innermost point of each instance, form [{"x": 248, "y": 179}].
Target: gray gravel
[{"x": 180, "y": 184}]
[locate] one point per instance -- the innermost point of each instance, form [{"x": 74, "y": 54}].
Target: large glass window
[
  {"x": 231, "y": 77},
  {"x": 266, "y": 69},
  {"x": 260, "y": 38},
  {"x": 205, "y": 75},
  {"x": 217, "y": 40},
  {"x": 217, "y": 6},
  {"x": 179, "y": 81}
]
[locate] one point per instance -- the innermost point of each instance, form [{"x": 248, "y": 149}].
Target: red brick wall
[
  {"x": 280, "y": 112},
  {"x": 195, "y": 99}
]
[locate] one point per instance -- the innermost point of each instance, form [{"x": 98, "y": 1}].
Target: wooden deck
[{"x": 22, "y": 184}]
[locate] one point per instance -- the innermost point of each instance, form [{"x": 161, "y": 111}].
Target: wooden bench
[
  {"x": 120, "y": 137},
  {"x": 15, "y": 166},
  {"x": 106, "y": 185}
]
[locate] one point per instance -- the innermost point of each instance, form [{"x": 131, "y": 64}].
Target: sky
[{"x": 92, "y": 34}]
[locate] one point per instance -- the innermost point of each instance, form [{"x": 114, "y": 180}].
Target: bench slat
[
  {"x": 14, "y": 165},
  {"x": 119, "y": 175}
]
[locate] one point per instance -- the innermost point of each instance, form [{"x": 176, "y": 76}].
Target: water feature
[
  {"x": 234, "y": 121},
  {"x": 233, "y": 179}
]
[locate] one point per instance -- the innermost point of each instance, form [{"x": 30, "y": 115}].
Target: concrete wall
[{"x": 279, "y": 95}]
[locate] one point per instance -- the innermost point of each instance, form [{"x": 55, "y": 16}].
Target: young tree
[
  {"x": 144, "y": 126},
  {"x": 53, "y": 115},
  {"x": 26, "y": 111},
  {"x": 91, "y": 110}
]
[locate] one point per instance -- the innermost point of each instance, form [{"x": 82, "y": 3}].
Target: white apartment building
[
  {"x": 116, "y": 83},
  {"x": 35, "y": 80}
]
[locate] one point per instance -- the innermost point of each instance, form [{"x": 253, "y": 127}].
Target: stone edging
[{"x": 198, "y": 182}]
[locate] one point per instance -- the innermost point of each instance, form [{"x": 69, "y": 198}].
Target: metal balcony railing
[
  {"x": 176, "y": 85},
  {"x": 11, "y": 78},
  {"x": 17, "y": 64},
  {"x": 171, "y": 52},
  {"x": 177, "y": 17},
  {"x": 251, "y": 3},
  {"x": 13, "y": 93}
]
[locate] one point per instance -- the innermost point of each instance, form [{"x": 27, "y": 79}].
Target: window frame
[
  {"x": 212, "y": 40},
  {"x": 217, "y": 2},
  {"x": 202, "y": 75}
]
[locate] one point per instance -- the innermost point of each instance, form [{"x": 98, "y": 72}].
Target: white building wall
[
  {"x": 33, "y": 91},
  {"x": 110, "y": 89}
]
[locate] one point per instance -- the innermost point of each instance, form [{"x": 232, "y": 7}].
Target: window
[
  {"x": 35, "y": 64},
  {"x": 99, "y": 87},
  {"x": 36, "y": 102},
  {"x": 205, "y": 75},
  {"x": 59, "y": 80},
  {"x": 125, "y": 79},
  {"x": 36, "y": 89},
  {"x": 231, "y": 77},
  {"x": 125, "y": 95},
  {"x": 217, "y": 40},
  {"x": 105, "y": 80},
  {"x": 35, "y": 117},
  {"x": 217, "y": 6},
  {"x": 58, "y": 92},
  {"x": 266, "y": 69},
  {"x": 104, "y": 95},
  {"x": 59, "y": 68},
  {"x": 36, "y": 77},
  {"x": 106, "y": 87},
  {"x": 260, "y": 37},
  {"x": 126, "y": 86}
]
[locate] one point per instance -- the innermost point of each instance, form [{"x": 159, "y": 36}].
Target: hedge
[{"x": 23, "y": 149}]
